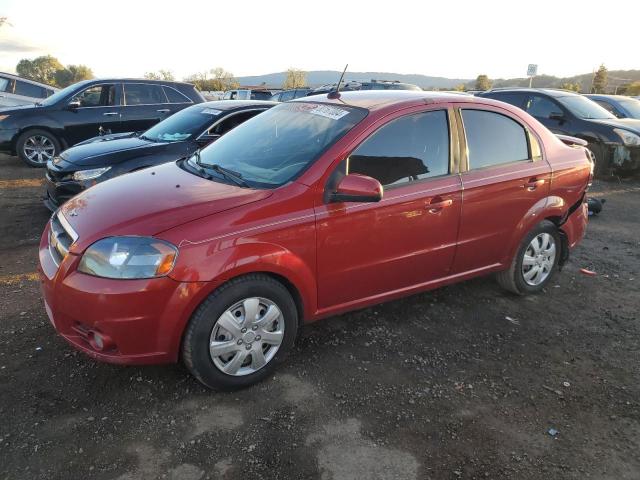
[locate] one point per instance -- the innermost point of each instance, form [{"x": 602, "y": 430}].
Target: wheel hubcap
[
  {"x": 246, "y": 336},
  {"x": 39, "y": 149},
  {"x": 539, "y": 258}
]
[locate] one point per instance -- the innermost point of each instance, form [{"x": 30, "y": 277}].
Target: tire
[
  {"x": 525, "y": 280},
  {"x": 240, "y": 362},
  {"x": 35, "y": 147}
]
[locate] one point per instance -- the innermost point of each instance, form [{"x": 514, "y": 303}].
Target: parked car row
[
  {"x": 15, "y": 90},
  {"x": 311, "y": 208}
]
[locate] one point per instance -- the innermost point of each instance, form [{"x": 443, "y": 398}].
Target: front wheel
[
  {"x": 240, "y": 333},
  {"x": 535, "y": 262},
  {"x": 36, "y": 147}
]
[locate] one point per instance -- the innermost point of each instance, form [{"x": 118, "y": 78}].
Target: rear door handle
[
  {"x": 163, "y": 110},
  {"x": 110, "y": 114},
  {"x": 532, "y": 184},
  {"x": 437, "y": 204}
]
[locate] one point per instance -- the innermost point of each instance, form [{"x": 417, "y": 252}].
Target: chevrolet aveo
[{"x": 313, "y": 208}]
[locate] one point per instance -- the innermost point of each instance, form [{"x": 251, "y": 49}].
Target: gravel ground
[{"x": 441, "y": 385}]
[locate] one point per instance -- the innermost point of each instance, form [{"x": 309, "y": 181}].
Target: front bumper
[
  {"x": 59, "y": 191},
  {"x": 143, "y": 319}
]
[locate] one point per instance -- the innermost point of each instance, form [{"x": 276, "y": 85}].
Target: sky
[{"x": 457, "y": 40}]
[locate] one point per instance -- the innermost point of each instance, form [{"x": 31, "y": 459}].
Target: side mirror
[
  {"x": 73, "y": 105},
  {"x": 556, "y": 116},
  {"x": 357, "y": 188}
]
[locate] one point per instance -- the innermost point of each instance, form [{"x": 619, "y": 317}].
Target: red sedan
[{"x": 313, "y": 208}]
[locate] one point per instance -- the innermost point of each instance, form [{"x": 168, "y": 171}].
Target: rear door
[
  {"x": 99, "y": 110},
  {"x": 505, "y": 181},
  {"x": 367, "y": 250},
  {"x": 145, "y": 104}
]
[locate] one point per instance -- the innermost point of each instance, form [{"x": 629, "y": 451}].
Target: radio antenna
[{"x": 336, "y": 93}]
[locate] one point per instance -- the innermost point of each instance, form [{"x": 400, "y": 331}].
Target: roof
[
  {"x": 610, "y": 97},
  {"x": 552, "y": 92},
  {"x": 228, "y": 105},
  {"x": 377, "y": 99}
]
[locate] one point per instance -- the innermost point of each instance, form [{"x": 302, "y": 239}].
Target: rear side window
[
  {"x": 407, "y": 149},
  {"x": 175, "y": 96},
  {"x": 29, "y": 90},
  {"x": 143, "y": 94},
  {"x": 261, "y": 96},
  {"x": 493, "y": 139},
  {"x": 4, "y": 84},
  {"x": 517, "y": 99}
]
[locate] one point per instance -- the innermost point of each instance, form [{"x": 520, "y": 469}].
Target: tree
[
  {"x": 160, "y": 75},
  {"x": 483, "y": 82},
  {"x": 221, "y": 80},
  {"x": 574, "y": 87},
  {"x": 72, "y": 74},
  {"x": 600, "y": 80},
  {"x": 631, "y": 89},
  {"x": 460, "y": 87},
  {"x": 41, "y": 69},
  {"x": 295, "y": 79}
]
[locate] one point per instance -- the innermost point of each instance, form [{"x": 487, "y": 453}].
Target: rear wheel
[
  {"x": 535, "y": 262},
  {"x": 240, "y": 333},
  {"x": 36, "y": 147}
]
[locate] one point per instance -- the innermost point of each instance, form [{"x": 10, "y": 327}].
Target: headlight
[
  {"x": 2, "y": 117},
  {"x": 628, "y": 138},
  {"x": 129, "y": 257},
  {"x": 89, "y": 174}
]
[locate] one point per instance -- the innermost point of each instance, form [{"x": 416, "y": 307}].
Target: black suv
[
  {"x": 38, "y": 132},
  {"x": 615, "y": 142},
  {"x": 372, "y": 85}
]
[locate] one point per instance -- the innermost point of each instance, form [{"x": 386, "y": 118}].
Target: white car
[{"x": 15, "y": 90}]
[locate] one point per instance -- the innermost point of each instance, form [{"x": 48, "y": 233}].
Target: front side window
[
  {"x": 542, "y": 107},
  {"x": 410, "y": 148},
  {"x": 493, "y": 138},
  {"x": 96, "y": 96},
  {"x": 274, "y": 147},
  {"x": 143, "y": 94},
  {"x": 29, "y": 90}
]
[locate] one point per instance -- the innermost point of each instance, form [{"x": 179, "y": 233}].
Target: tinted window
[
  {"x": 232, "y": 122},
  {"x": 516, "y": 99},
  {"x": 175, "y": 96},
  {"x": 29, "y": 90},
  {"x": 582, "y": 107},
  {"x": 288, "y": 95},
  {"x": 409, "y": 148},
  {"x": 143, "y": 94},
  {"x": 4, "y": 84},
  {"x": 261, "y": 95},
  {"x": 96, "y": 96},
  {"x": 493, "y": 139},
  {"x": 542, "y": 107}
]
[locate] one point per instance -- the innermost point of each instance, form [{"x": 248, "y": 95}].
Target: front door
[
  {"x": 506, "y": 183},
  {"x": 550, "y": 113},
  {"x": 98, "y": 112},
  {"x": 367, "y": 250}
]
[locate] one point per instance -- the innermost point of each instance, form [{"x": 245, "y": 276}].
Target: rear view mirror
[
  {"x": 357, "y": 188},
  {"x": 73, "y": 105},
  {"x": 556, "y": 116}
]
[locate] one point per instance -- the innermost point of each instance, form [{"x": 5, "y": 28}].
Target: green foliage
[
  {"x": 483, "y": 83},
  {"x": 72, "y": 74},
  {"x": 41, "y": 69},
  {"x": 295, "y": 79},
  {"x": 632, "y": 89},
  {"x": 600, "y": 80},
  {"x": 160, "y": 75},
  {"x": 460, "y": 88},
  {"x": 220, "y": 80},
  {"x": 574, "y": 87}
]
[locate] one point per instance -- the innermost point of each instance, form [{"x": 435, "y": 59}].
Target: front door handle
[
  {"x": 437, "y": 204},
  {"x": 110, "y": 114},
  {"x": 163, "y": 110},
  {"x": 532, "y": 184}
]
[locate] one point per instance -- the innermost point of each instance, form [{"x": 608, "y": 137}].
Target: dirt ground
[{"x": 441, "y": 385}]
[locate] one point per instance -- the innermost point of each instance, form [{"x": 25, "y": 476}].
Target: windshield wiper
[{"x": 235, "y": 177}]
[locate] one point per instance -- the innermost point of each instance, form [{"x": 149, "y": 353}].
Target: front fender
[{"x": 217, "y": 264}]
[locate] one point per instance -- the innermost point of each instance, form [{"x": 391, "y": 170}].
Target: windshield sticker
[
  {"x": 211, "y": 111},
  {"x": 333, "y": 113}
]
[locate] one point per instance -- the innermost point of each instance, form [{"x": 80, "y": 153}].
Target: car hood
[
  {"x": 111, "y": 150},
  {"x": 148, "y": 202},
  {"x": 18, "y": 108},
  {"x": 631, "y": 124}
]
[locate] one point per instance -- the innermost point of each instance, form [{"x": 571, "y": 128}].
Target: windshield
[
  {"x": 274, "y": 147},
  {"x": 59, "y": 95},
  {"x": 632, "y": 106},
  {"x": 183, "y": 125},
  {"x": 582, "y": 107}
]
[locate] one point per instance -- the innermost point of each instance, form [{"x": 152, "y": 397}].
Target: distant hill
[
  {"x": 316, "y": 78},
  {"x": 320, "y": 77}
]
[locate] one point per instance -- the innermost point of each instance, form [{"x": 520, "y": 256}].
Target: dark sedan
[
  {"x": 619, "y": 105},
  {"x": 38, "y": 132},
  {"x": 108, "y": 156}
]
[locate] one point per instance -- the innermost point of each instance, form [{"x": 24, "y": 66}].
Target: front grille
[{"x": 61, "y": 237}]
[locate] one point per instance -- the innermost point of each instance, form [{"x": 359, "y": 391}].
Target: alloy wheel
[
  {"x": 539, "y": 259},
  {"x": 246, "y": 336},
  {"x": 39, "y": 149}
]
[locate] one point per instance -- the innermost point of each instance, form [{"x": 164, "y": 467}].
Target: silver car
[{"x": 16, "y": 90}]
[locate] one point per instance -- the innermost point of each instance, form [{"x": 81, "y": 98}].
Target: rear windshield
[{"x": 274, "y": 147}]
